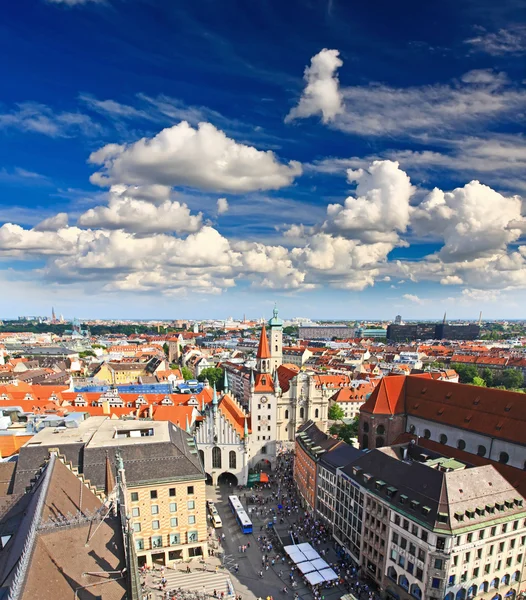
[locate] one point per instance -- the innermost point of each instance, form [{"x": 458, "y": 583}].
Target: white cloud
[
  {"x": 204, "y": 158},
  {"x": 419, "y": 112},
  {"x": 222, "y": 206},
  {"x": 473, "y": 221},
  {"x": 501, "y": 42},
  {"x": 54, "y": 223},
  {"x": 379, "y": 210},
  {"x": 140, "y": 216},
  {"x": 413, "y": 298},
  {"x": 114, "y": 109},
  {"x": 499, "y": 160},
  {"x": 322, "y": 93},
  {"x": 451, "y": 280},
  {"x": 39, "y": 118}
]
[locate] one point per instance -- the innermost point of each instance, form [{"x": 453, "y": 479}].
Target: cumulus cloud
[
  {"x": 418, "y": 112},
  {"x": 54, "y": 223},
  {"x": 140, "y": 216},
  {"x": 203, "y": 158},
  {"x": 222, "y": 206},
  {"x": 413, "y": 298},
  {"x": 473, "y": 221},
  {"x": 322, "y": 93},
  {"x": 380, "y": 208}
]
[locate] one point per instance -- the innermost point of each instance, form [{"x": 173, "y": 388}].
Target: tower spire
[
  {"x": 263, "y": 355},
  {"x": 214, "y": 399},
  {"x": 225, "y": 382}
]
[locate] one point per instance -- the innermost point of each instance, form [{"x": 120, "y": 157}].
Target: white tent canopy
[
  {"x": 306, "y": 567},
  {"x": 314, "y": 578},
  {"x": 311, "y": 554},
  {"x": 319, "y": 564},
  {"x": 328, "y": 575}
]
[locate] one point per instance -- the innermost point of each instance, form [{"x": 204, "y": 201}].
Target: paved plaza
[{"x": 240, "y": 559}]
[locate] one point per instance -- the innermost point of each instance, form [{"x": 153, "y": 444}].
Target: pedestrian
[{"x": 261, "y": 574}]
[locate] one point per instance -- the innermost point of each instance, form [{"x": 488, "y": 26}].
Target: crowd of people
[{"x": 277, "y": 502}]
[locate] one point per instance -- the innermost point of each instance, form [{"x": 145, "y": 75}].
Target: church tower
[
  {"x": 263, "y": 356},
  {"x": 276, "y": 341}
]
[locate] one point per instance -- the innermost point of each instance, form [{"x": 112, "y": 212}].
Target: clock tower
[{"x": 275, "y": 326}]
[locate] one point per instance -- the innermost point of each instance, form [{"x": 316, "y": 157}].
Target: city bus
[{"x": 241, "y": 516}]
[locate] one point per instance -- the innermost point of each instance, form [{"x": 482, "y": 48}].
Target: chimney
[
  {"x": 150, "y": 411},
  {"x": 106, "y": 407}
]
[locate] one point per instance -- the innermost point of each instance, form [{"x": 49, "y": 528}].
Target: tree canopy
[
  {"x": 336, "y": 412},
  {"x": 214, "y": 375}
]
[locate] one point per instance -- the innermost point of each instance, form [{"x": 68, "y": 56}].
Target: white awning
[
  {"x": 306, "y": 567},
  {"x": 314, "y": 578},
  {"x": 328, "y": 575},
  {"x": 320, "y": 564}
]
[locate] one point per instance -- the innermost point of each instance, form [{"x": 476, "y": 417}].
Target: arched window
[
  {"x": 302, "y": 413},
  {"x": 202, "y": 457},
  {"x": 366, "y": 427},
  {"x": 481, "y": 450},
  {"x": 365, "y": 442},
  {"x": 495, "y": 583},
  {"x": 403, "y": 582},
  {"x": 461, "y": 594},
  {"x": 412, "y": 429},
  {"x": 461, "y": 444},
  {"x": 287, "y": 414},
  {"x": 443, "y": 438},
  {"x": 380, "y": 430},
  {"x": 392, "y": 574},
  {"x": 316, "y": 413},
  {"x": 216, "y": 458},
  {"x": 504, "y": 457},
  {"x": 472, "y": 591},
  {"x": 427, "y": 434},
  {"x": 379, "y": 441},
  {"x": 450, "y": 596},
  {"x": 484, "y": 586},
  {"x": 506, "y": 579},
  {"x": 416, "y": 591},
  {"x": 232, "y": 459},
  {"x": 516, "y": 576}
]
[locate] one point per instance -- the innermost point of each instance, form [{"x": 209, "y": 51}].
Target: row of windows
[
  {"x": 217, "y": 459},
  {"x": 487, "y": 570},
  {"x": 504, "y": 457},
  {"x": 493, "y": 532},
  {"x": 411, "y": 548},
  {"x": 172, "y": 539},
  {"x": 414, "y": 528},
  {"x": 485, "y": 586},
  {"x": 136, "y": 512},
  {"x": 154, "y": 494},
  {"x": 156, "y": 524}
]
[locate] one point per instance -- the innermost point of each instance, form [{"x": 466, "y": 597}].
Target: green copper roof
[{"x": 275, "y": 321}]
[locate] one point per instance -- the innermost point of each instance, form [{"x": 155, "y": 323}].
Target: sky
[{"x": 170, "y": 159}]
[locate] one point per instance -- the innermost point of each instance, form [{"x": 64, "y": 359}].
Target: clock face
[{"x": 263, "y": 400}]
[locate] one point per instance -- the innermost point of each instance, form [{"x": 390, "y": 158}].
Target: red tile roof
[{"x": 263, "y": 350}]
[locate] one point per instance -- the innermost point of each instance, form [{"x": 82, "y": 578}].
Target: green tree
[
  {"x": 290, "y": 330},
  {"x": 187, "y": 374},
  {"x": 336, "y": 412},
  {"x": 487, "y": 375},
  {"x": 479, "y": 381},
  {"x": 85, "y": 353},
  {"x": 165, "y": 348},
  {"x": 345, "y": 432},
  {"x": 510, "y": 378},
  {"x": 466, "y": 373},
  {"x": 214, "y": 375}
]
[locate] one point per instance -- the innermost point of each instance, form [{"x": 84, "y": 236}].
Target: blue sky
[{"x": 205, "y": 159}]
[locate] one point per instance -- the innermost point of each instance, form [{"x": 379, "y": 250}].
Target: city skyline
[{"x": 200, "y": 161}]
